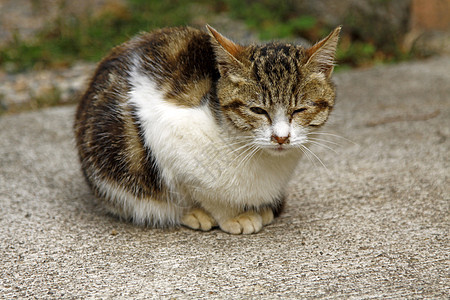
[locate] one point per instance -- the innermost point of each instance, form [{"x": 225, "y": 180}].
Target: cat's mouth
[{"x": 278, "y": 149}]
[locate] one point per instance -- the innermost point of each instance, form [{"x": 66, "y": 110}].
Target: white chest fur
[{"x": 198, "y": 160}]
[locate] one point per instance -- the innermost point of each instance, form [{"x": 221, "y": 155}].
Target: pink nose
[{"x": 280, "y": 139}]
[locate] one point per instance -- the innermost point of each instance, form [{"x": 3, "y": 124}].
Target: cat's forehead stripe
[
  {"x": 276, "y": 49},
  {"x": 276, "y": 68}
]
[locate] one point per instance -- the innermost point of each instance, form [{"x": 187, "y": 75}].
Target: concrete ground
[{"x": 373, "y": 224}]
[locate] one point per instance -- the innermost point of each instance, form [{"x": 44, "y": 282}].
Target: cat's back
[{"x": 180, "y": 61}]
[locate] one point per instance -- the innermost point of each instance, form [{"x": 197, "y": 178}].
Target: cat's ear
[
  {"x": 227, "y": 52},
  {"x": 321, "y": 55}
]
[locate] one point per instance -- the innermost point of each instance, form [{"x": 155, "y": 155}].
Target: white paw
[
  {"x": 198, "y": 219},
  {"x": 267, "y": 216},
  {"x": 246, "y": 223}
]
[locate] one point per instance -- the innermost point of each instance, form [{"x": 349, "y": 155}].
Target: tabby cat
[{"x": 181, "y": 126}]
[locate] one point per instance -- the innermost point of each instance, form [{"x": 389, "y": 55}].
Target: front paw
[
  {"x": 267, "y": 216},
  {"x": 246, "y": 223},
  {"x": 198, "y": 219}
]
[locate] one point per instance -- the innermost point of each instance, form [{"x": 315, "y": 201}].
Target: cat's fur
[{"x": 182, "y": 126}]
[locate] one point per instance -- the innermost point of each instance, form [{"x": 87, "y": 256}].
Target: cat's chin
[{"x": 279, "y": 150}]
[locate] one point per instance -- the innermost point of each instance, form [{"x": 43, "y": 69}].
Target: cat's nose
[{"x": 280, "y": 139}]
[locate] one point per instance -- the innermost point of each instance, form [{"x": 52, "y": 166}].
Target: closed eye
[
  {"x": 299, "y": 110},
  {"x": 259, "y": 111}
]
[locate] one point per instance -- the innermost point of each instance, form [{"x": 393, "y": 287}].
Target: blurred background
[{"x": 48, "y": 48}]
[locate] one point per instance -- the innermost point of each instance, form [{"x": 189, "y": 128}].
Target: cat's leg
[
  {"x": 266, "y": 215},
  {"x": 235, "y": 220},
  {"x": 269, "y": 213},
  {"x": 248, "y": 222},
  {"x": 229, "y": 218},
  {"x": 245, "y": 223},
  {"x": 198, "y": 219}
]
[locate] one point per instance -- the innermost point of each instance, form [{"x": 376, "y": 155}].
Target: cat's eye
[
  {"x": 299, "y": 110},
  {"x": 259, "y": 111}
]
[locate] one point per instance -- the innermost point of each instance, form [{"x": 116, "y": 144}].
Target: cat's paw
[
  {"x": 267, "y": 216},
  {"x": 246, "y": 223},
  {"x": 198, "y": 219}
]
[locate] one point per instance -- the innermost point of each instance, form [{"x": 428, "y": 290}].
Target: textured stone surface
[
  {"x": 68, "y": 83},
  {"x": 375, "y": 223}
]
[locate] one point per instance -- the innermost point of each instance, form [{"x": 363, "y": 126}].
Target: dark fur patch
[
  {"x": 276, "y": 69},
  {"x": 233, "y": 105},
  {"x": 321, "y": 104},
  {"x": 179, "y": 59},
  {"x": 104, "y": 131}
]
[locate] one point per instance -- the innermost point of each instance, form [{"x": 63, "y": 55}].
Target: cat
[{"x": 181, "y": 126}]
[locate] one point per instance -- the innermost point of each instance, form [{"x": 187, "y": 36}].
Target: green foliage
[
  {"x": 290, "y": 28},
  {"x": 46, "y": 98},
  {"x": 272, "y": 19},
  {"x": 19, "y": 55},
  {"x": 89, "y": 38},
  {"x": 51, "y": 97},
  {"x": 3, "y": 106},
  {"x": 286, "y": 19},
  {"x": 355, "y": 53}
]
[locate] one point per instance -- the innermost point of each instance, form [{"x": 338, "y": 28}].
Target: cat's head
[{"x": 275, "y": 94}]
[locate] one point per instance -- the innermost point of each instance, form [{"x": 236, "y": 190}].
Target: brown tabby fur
[{"x": 193, "y": 68}]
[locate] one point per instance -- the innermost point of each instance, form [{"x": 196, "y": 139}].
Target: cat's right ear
[
  {"x": 321, "y": 55},
  {"x": 227, "y": 52}
]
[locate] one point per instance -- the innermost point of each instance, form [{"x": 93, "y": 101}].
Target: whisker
[
  {"x": 234, "y": 138},
  {"x": 232, "y": 141},
  {"x": 229, "y": 145},
  {"x": 250, "y": 147},
  {"x": 309, "y": 150},
  {"x": 333, "y": 135},
  {"x": 323, "y": 146},
  {"x": 249, "y": 155},
  {"x": 300, "y": 147},
  {"x": 243, "y": 146},
  {"x": 324, "y": 141}
]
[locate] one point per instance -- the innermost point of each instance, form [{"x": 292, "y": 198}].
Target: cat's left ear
[
  {"x": 227, "y": 52},
  {"x": 321, "y": 55}
]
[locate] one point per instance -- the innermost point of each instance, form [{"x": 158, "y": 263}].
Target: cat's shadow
[{"x": 81, "y": 206}]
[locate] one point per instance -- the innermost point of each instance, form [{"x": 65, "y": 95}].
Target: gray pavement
[{"x": 373, "y": 224}]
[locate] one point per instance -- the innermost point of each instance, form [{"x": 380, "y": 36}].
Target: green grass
[
  {"x": 277, "y": 19},
  {"x": 71, "y": 38},
  {"x": 48, "y": 98},
  {"x": 89, "y": 38},
  {"x": 273, "y": 19}
]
